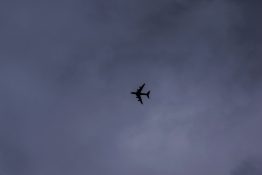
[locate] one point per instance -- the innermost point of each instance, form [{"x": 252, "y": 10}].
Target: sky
[{"x": 67, "y": 69}]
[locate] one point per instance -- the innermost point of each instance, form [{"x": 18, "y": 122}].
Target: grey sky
[{"x": 67, "y": 69}]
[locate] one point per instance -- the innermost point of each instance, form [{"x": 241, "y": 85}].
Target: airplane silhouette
[{"x": 139, "y": 93}]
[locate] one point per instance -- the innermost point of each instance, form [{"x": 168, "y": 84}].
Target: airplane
[{"x": 139, "y": 93}]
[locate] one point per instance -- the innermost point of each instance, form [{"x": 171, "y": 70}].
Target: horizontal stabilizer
[{"x": 147, "y": 94}]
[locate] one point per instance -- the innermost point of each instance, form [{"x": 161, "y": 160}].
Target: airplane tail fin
[{"x": 147, "y": 94}]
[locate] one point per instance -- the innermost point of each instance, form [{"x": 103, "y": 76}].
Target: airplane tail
[{"x": 147, "y": 94}]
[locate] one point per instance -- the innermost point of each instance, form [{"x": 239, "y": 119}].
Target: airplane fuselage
[{"x": 138, "y": 93}]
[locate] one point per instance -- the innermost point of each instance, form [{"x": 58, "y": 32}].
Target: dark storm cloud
[{"x": 67, "y": 69}]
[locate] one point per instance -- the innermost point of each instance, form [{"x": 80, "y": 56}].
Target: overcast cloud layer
[{"x": 67, "y": 69}]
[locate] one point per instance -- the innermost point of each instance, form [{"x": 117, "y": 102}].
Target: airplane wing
[
  {"x": 139, "y": 99},
  {"x": 140, "y": 88}
]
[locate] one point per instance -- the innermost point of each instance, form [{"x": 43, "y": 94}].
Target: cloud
[
  {"x": 250, "y": 165},
  {"x": 67, "y": 69}
]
